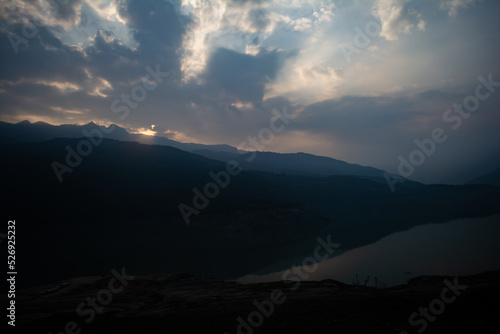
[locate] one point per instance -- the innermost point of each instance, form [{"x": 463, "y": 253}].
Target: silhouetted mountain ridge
[
  {"x": 26, "y": 131},
  {"x": 294, "y": 163},
  {"x": 492, "y": 178},
  {"x": 290, "y": 163}
]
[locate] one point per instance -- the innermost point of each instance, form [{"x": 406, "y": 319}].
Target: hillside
[
  {"x": 294, "y": 163},
  {"x": 181, "y": 303},
  {"x": 121, "y": 205},
  {"x": 492, "y": 178}
]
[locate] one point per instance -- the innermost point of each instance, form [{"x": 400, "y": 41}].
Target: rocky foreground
[{"x": 185, "y": 304}]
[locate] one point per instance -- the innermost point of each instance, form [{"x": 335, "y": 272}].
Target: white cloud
[
  {"x": 302, "y": 24},
  {"x": 396, "y": 18},
  {"x": 106, "y": 9},
  {"x": 88, "y": 17},
  {"x": 453, "y": 6},
  {"x": 421, "y": 25},
  {"x": 64, "y": 87},
  {"x": 324, "y": 13},
  {"x": 219, "y": 24},
  {"x": 252, "y": 49},
  {"x": 305, "y": 80},
  {"x": 69, "y": 111},
  {"x": 40, "y": 12},
  {"x": 244, "y": 26}
]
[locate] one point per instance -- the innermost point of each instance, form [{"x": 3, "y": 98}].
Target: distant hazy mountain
[
  {"x": 26, "y": 131},
  {"x": 468, "y": 171},
  {"x": 293, "y": 163},
  {"x": 119, "y": 207},
  {"x": 492, "y": 178}
]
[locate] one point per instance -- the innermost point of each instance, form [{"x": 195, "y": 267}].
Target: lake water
[{"x": 459, "y": 247}]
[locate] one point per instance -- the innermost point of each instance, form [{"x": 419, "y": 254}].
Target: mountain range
[
  {"x": 26, "y": 131},
  {"x": 120, "y": 205},
  {"x": 289, "y": 163},
  {"x": 492, "y": 178}
]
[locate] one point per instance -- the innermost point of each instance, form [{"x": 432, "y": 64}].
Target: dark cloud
[
  {"x": 158, "y": 28},
  {"x": 66, "y": 10},
  {"x": 108, "y": 58},
  {"x": 356, "y": 113},
  {"x": 44, "y": 58},
  {"x": 242, "y": 76},
  {"x": 41, "y": 57},
  {"x": 259, "y": 18}
]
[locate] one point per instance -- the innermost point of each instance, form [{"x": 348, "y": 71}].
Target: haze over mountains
[
  {"x": 290, "y": 163},
  {"x": 299, "y": 163},
  {"x": 26, "y": 131},
  {"x": 492, "y": 178}
]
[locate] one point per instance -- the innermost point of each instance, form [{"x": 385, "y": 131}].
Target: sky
[{"x": 360, "y": 81}]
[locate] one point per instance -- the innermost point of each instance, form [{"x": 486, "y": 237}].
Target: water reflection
[{"x": 459, "y": 247}]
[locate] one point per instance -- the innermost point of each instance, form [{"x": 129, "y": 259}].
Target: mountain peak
[{"x": 41, "y": 123}]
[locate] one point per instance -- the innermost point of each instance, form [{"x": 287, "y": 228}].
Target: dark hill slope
[{"x": 119, "y": 207}]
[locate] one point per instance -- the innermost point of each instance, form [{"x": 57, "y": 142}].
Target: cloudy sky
[{"x": 362, "y": 80}]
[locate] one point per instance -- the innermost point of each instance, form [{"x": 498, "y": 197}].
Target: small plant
[
  {"x": 379, "y": 284},
  {"x": 355, "y": 281}
]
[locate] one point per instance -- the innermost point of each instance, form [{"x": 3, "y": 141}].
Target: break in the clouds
[{"x": 229, "y": 63}]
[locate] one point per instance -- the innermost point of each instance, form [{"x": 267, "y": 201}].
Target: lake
[{"x": 458, "y": 247}]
